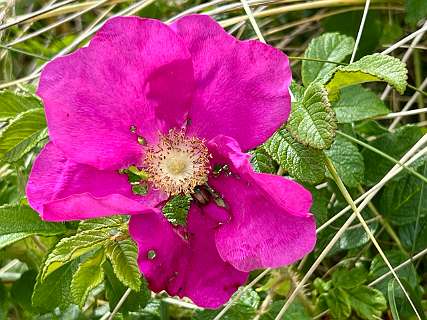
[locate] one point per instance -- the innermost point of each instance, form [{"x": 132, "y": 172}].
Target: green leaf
[
  {"x": 20, "y": 221},
  {"x": 262, "y": 162},
  {"x": 296, "y": 311},
  {"x": 312, "y": 121},
  {"x": 403, "y": 201},
  {"x": 73, "y": 247},
  {"x": 392, "y": 299},
  {"x": 22, "y": 289},
  {"x": 415, "y": 11},
  {"x": 55, "y": 290},
  {"x": 403, "y": 307},
  {"x": 88, "y": 275},
  {"x": 22, "y": 134},
  {"x": 113, "y": 223},
  {"x": 12, "y": 104},
  {"x": 244, "y": 308},
  {"x": 338, "y": 303},
  {"x": 329, "y": 46},
  {"x": 303, "y": 163},
  {"x": 376, "y": 67},
  {"x": 348, "y": 161},
  {"x": 176, "y": 209},
  {"x": 348, "y": 279},
  {"x": 368, "y": 303},
  {"x": 379, "y": 268},
  {"x": 123, "y": 256},
  {"x": 395, "y": 145},
  {"x": 115, "y": 290},
  {"x": 357, "y": 103}
]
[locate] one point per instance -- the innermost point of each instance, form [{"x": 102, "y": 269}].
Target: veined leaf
[
  {"x": 12, "y": 104},
  {"x": 338, "y": 302},
  {"x": 22, "y": 134},
  {"x": 89, "y": 274},
  {"x": 55, "y": 290},
  {"x": 20, "y": 221},
  {"x": 262, "y": 162},
  {"x": 356, "y": 103},
  {"x": 176, "y": 209},
  {"x": 329, "y": 46},
  {"x": 348, "y": 161},
  {"x": 312, "y": 120},
  {"x": 303, "y": 163},
  {"x": 368, "y": 303},
  {"x": 123, "y": 256},
  {"x": 376, "y": 67},
  {"x": 113, "y": 222},
  {"x": 73, "y": 247},
  {"x": 115, "y": 289}
]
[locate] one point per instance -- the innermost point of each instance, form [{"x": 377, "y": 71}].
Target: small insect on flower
[{"x": 148, "y": 111}]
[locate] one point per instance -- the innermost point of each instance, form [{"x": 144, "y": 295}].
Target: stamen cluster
[{"x": 177, "y": 163}]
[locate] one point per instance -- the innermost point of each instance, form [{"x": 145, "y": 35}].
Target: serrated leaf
[
  {"x": 73, "y": 247},
  {"x": 88, "y": 275},
  {"x": 22, "y": 134},
  {"x": 356, "y": 103},
  {"x": 348, "y": 279},
  {"x": 55, "y": 290},
  {"x": 262, "y": 162},
  {"x": 403, "y": 201},
  {"x": 12, "y": 104},
  {"x": 312, "y": 121},
  {"x": 115, "y": 290},
  {"x": 395, "y": 145},
  {"x": 348, "y": 161},
  {"x": 303, "y": 163},
  {"x": 244, "y": 308},
  {"x": 123, "y": 256},
  {"x": 113, "y": 222},
  {"x": 379, "y": 268},
  {"x": 20, "y": 221},
  {"x": 368, "y": 303},
  {"x": 176, "y": 209},
  {"x": 375, "y": 67},
  {"x": 329, "y": 46},
  {"x": 338, "y": 303}
]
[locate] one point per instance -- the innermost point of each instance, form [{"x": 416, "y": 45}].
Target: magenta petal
[
  {"x": 270, "y": 224},
  {"x": 135, "y": 72},
  {"x": 190, "y": 268},
  {"x": 241, "y": 86},
  {"x": 60, "y": 189}
]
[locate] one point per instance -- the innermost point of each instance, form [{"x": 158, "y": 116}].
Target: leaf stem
[{"x": 317, "y": 60}]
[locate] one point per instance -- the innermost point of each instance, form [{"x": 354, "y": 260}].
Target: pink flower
[{"x": 178, "y": 101}]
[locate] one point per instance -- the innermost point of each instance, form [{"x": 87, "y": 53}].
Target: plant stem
[{"x": 385, "y": 224}]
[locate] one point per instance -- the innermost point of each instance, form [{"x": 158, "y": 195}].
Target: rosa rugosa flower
[{"x": 175, "y": 105}]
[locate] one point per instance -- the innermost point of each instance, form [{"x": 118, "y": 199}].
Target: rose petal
[
  {"x": 60, "y": 189},
  {"x": 135, "y": 72},
  {"x": 190, "y": 268},
  {"x": 241, "y": 86},
  {"x": 270, "y": 224}
]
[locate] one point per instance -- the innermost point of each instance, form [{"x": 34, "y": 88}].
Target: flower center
[{"x": 177, "y": 164}]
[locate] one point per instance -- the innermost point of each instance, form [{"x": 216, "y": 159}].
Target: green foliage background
[{"x": 340, "y": 142}]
